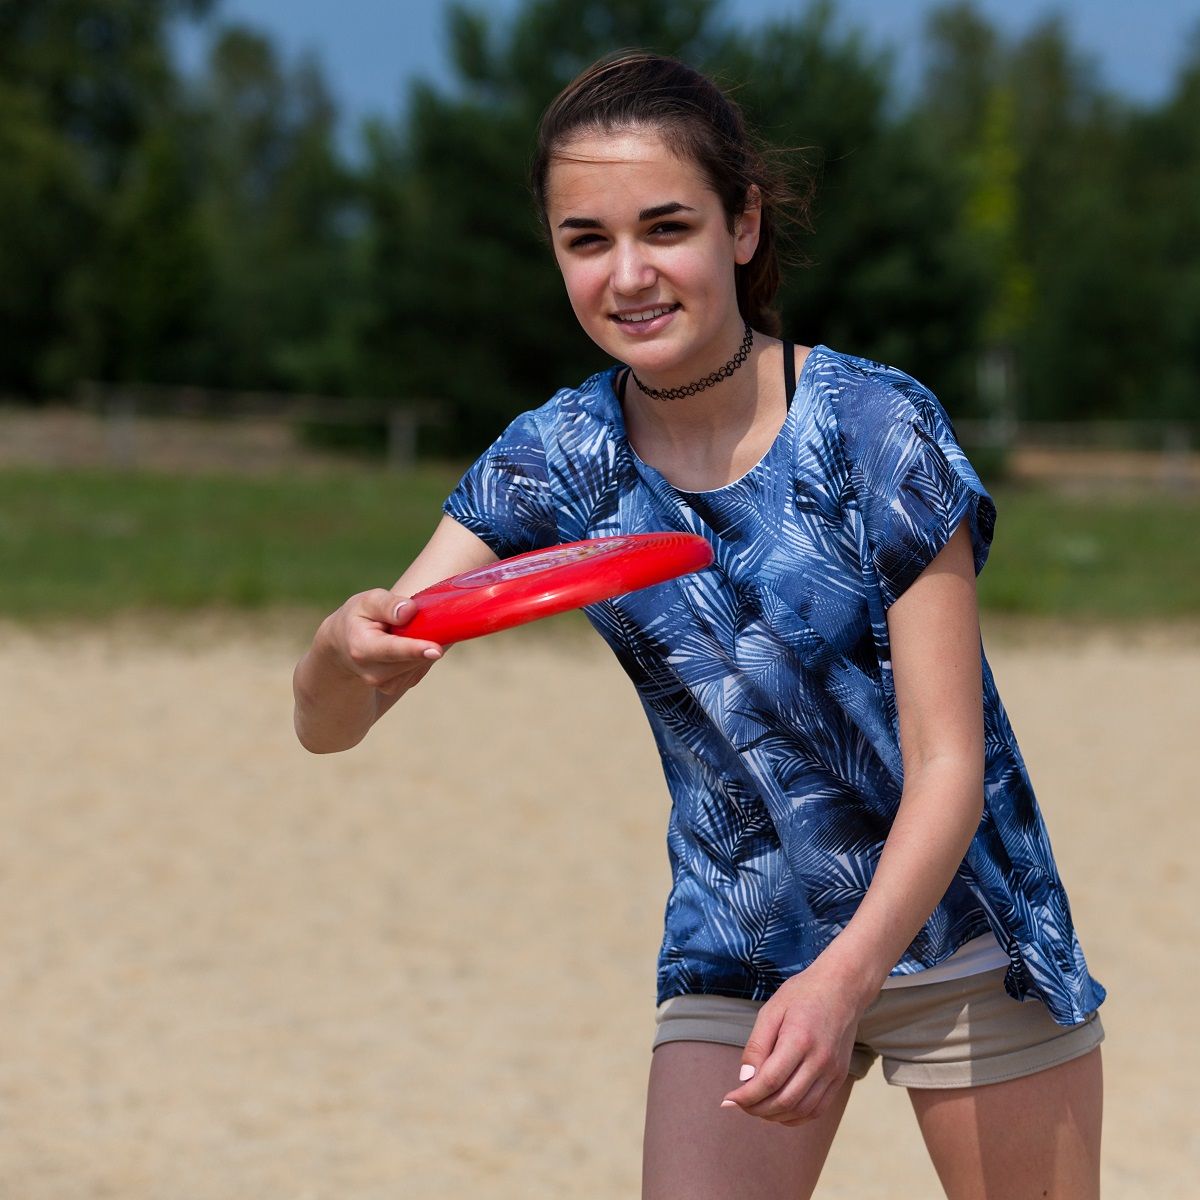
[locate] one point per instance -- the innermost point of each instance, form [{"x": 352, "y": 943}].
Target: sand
[{"x": 426, "y": 968}]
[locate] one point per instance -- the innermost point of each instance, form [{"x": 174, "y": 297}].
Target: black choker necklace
[{"x": 690, "y": 389}]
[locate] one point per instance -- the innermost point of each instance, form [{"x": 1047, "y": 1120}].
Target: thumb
[{"x": 399, "y": 609}]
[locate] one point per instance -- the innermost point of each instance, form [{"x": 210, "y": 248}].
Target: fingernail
[
  {"x": 433, "y": 652},
  {"x": 728, "y": 1104},
  {"x": 400, "y": 606},
  {"x": 747, "y": 1072}
]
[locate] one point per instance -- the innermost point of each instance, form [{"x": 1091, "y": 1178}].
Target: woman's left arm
[{"x": 801, "y": 1043}]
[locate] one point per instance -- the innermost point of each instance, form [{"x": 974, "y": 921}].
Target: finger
[
  {"x": 813, "y": 1069},
  {"x": 785, "y": 1102},
  {"x": 380, "y": 658},
  {"x": 802, "y": 1099},
  {"x": 773, "y": 1071},
  {"x": 401, "y": 610},
  {"x": 409, "y": 649},
  {"x": 815, "y": 1105}
]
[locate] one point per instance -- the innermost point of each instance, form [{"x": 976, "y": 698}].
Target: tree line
[{"x": 1017, "y": 236}]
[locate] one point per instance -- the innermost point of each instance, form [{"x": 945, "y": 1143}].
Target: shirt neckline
[{"x": 617, "y": 417}]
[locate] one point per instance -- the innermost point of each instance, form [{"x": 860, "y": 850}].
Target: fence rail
[
  {"x": 204, "y": 428},
  {"x": 1161, "y": 454},
  {"x": 122, "y": 408},
  {"x": 1165, "y": 436}
]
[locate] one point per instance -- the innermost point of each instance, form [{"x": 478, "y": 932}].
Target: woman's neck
[{"x": 707, "y": 440}]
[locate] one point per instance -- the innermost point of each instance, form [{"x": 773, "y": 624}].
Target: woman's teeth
[{"x": 647, "y": 314}]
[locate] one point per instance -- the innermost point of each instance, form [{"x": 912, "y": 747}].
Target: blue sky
[{"x": 371, "y": 49}]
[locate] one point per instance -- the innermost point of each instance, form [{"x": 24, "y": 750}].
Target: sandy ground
[{"x": 426, "y": 968}]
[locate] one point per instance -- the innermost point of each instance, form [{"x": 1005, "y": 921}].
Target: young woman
[{"x": 860, "y": 868}]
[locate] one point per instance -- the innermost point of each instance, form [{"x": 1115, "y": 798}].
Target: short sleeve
[
  {"x": 913, "y": 481},
  {"x": 504, "y": 498}
]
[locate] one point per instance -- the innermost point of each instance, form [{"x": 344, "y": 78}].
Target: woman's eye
[
  {"x": 669, "y": 227},
  {"x": 587, "y": 239}
]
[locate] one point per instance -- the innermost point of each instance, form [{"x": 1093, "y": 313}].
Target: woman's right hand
[
  {"x": 356, "y": 667},
  {"x": 364, "y": 640}
]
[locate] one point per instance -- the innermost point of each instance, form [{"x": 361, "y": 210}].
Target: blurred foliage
[{"x": 159, "y": 228}]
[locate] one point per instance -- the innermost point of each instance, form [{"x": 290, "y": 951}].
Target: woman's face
[{"x": 646, "y": 254}]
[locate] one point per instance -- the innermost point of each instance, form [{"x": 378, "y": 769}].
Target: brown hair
[{"x": 698, "y": 122}]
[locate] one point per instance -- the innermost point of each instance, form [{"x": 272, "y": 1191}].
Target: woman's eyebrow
[
  {"x": 647, "y": 214},
  {"x": 663, "y": 210}
]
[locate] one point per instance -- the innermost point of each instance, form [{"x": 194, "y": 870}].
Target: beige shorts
[{"x": 960, "y": 1033}]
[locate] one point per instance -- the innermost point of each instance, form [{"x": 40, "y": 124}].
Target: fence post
[
  {"x": 121, "y": 428},
  {"x": 1177, "y": 446},
  {"x": 402, "y": 438}
]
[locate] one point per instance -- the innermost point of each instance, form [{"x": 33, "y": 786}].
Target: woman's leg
[
  {"x": 696, "y": 1150},
  {"x": 1030, "y": 1137}
]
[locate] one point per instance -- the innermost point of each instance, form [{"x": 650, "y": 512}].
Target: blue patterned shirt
[{"x": 767, "y": 681}]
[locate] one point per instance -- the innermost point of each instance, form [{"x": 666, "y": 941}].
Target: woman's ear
[{"x": 747, "y": 227}]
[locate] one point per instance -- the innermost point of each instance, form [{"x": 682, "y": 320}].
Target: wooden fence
[
  {"x": 129, "y": 414},
  {"x": 200, "y": 428}
]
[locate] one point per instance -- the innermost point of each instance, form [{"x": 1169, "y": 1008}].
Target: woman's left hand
[{"x": 799, "y": 1048}]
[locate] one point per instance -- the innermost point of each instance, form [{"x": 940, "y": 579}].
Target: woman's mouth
[{"x": 646, "y": 320}]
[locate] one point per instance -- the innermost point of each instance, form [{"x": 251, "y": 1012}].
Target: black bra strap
[{"x": 789, "y": 371}]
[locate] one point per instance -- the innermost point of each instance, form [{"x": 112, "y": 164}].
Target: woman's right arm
[{"x": 356, "y": 669}]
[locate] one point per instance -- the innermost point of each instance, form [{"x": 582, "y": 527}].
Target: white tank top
[{"x": 980, "y": 954}]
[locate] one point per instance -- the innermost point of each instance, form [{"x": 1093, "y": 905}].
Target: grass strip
[{"x": 99, "y": 543}]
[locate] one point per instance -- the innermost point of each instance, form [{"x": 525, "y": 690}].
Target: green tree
[
  {"x": 1032, "y": 139},
  {"x": 884, "y": 278},
  {"x": 276, "y": 204},
  {"x": 99, "y": 70},
  {"x": 1155, "y": 173},
  {"x": 1071, "y": 233},
  {"x": 466, "y": 309},
  {"x": 158, "y": 229},
  {"x": 142, "y": 302},
  {"x": 47, "y": 209},
  {"x": 964, "y": 66},
  {"x": 465, "y": 304},
  {"x": 84, "y": 84}
]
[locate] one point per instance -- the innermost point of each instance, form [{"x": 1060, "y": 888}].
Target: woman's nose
[{"x": 632, "y": 271}]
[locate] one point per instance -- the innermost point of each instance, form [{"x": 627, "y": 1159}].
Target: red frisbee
[{"x": 542, "y": 583}]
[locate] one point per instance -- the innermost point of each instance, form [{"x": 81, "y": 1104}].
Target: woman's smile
[{"x": 641, "y": 322}]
